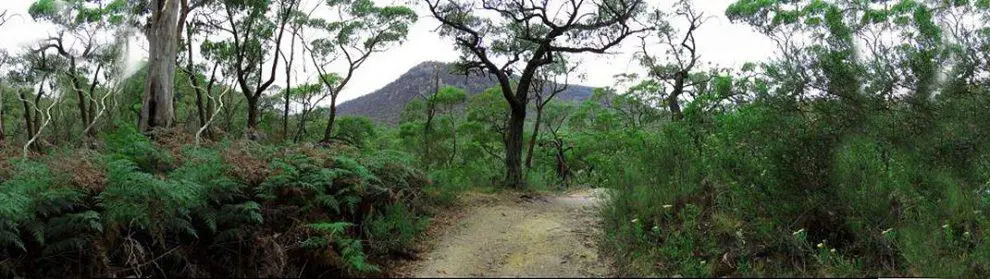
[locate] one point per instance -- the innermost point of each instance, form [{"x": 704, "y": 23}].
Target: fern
[
  {"x": 134, "y": 197},
  {"x": 353, "y": 253},
  {"x": 72, "y": 232},
  {"x": 392, "y": 230},
  {"x": 128, "y": 144},
  {"x": 296, "y": 172},
  {"x": 28, "y": 199},
  {"x": 351, "y": 250},
  {"x": 349, "y": 166}
]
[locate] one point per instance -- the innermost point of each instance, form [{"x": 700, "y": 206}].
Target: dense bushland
[
  {"x": 769, "y": 191},
  {"x": 234, "y": 208}
]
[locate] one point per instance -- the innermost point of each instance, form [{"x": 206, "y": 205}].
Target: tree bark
[
  {"x": 157, "y": 108},
  {"x": 28, "y": 120},
  {"x": 37, "y": 102},
  {"x": 3, "y": 135},
  {"x": 430, "y": 113},
  {"x": 675, "y": 107},
  {"x": 92, "y": 102},
  {"x": 513, "y": 149},
  {"x": 532, "y": 138},
  {"x": 328, "y": 133},
  {"x": 301, "y": 127},
  {"x": 77, "y": 87},
  {"x": 253, "y": 113},
  {"x": 194, "y": 80},
  {"x": 288, "y": 82}
]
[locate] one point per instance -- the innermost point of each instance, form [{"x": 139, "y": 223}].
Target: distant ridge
[{"x": 386, "y": 104}]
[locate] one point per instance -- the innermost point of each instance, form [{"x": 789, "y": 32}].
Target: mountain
[{"x": 386, "y": 104}]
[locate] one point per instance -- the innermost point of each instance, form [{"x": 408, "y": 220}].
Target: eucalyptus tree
[
  {"x": 936, "y": 46},
  {"x": 638, "y": 106},
  {"x": 24, "y": 74},
  {"x": 308, "y": 96},
  {"x": 434, "y": 103},
  {"x": 297, "y": 24},
  {"x": 820, "y": 57},
  {"x": 192, "y": 24},
  {"x": 967, "y": 25},
  {"x": 791, "y": 72},
  {"x": 910, "y": 47},
  {"x": 359, "y": 30},
  {"x": 430, "y": 109},
  {"x": 157, "y": 108},
  {"x": 556, "y": 115},
  {"x": 550, "y": 82},
  {"x": 86, "y": 40},
  {"x": 39, "y": 70},
  {"x": 677, "y": 74},
  {"x": 447, "y": 98},
  {"x": 254, "y": 34},
  {"x": 524, "y": 36}
]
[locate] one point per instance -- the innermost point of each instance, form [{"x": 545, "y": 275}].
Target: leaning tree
[{"x": 504, "y": 37}]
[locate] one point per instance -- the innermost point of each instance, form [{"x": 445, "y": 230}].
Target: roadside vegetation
[{"x": 861, "y": 149}]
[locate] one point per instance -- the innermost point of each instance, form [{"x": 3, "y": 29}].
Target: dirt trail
[{"x": 516, "y": 235}]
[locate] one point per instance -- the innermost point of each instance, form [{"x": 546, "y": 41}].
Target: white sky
[{"x": 719, "y": 41}]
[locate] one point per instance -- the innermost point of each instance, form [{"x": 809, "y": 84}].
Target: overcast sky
[{"x": 719, "y": 41}]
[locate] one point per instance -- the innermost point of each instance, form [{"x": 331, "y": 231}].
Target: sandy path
[{"x": 515, "y": 235}]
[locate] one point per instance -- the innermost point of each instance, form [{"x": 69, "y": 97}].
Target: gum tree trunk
[{"x": 157, "y": 109}]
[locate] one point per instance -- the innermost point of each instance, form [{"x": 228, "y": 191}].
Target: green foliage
[
  {"x": 355, "y": 130},
  {"x": 771, "y": 192},
  {"x": 199, "y": 204},
  {"x": 130, "y": 145},
  {"x": 350, "y": 250},
  {"x": 393, "y": 230}
]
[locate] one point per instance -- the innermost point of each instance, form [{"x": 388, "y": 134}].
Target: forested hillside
[
  {"x": 861, "y": 148},
  {"x": 385, "y": 105}
]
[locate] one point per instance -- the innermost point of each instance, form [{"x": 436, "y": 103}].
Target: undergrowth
[
  {"x": 767, "y": 191},
  {"x": 240, "y": 209}
]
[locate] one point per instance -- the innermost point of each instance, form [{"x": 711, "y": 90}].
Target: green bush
[{"x": 763, "y": 191}]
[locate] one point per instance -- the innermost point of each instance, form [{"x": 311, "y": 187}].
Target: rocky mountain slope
[{"x": 386, "y": 104}]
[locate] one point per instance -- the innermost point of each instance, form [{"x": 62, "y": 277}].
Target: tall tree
[
  {"x": 360, "y": 29},
  {"x": 253, "y": 39},
  {"x": 298, "y": 19},
  {"x": 192, "y": 27},
  {"x": 524, "y": 36},
  {"x": 82, "y": 40},
  {"x": 307, "y": 96},
  {"x": 157, "y": 109},
  {"x": 683, "y": 49},
  {"x": 447, "y": 99},
  {"x": 547, "y": 86}
]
